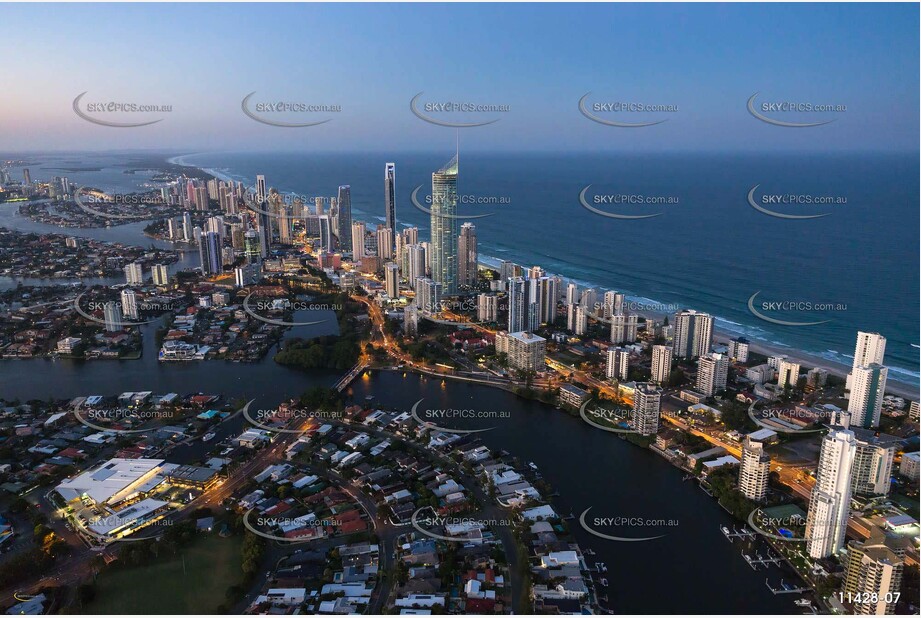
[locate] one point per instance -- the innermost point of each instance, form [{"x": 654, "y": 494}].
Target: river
[{"x": 692, "y": 568}]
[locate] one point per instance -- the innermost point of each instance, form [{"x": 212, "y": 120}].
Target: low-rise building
[
  {"x": 909, "y": 467},
  {"x": 573, "y": 395}
]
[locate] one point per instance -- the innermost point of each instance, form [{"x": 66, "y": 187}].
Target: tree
[{"x": 675, "y": 377}]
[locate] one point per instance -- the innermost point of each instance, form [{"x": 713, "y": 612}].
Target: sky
[{"x": 538, "y": 60}]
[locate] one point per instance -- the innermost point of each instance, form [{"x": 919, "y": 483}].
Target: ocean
[{"x": 708, "y": 248}]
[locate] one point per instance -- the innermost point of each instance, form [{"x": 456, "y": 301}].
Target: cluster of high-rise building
[
  {"x": 445, "y": 266},
  {"x": 855, "y": 462},
  {"x": 60, "y": 187},
  {"x": 246, "y": 223}
]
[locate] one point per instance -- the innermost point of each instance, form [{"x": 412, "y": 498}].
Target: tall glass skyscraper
[
  {"x": 344, "y": 218},
  {"x": 210, "y": 253},
  {"x": 264, "y": 222},
  {"x": 517, "y": 304},
  {"x": 444, "y": 227},
  {"x": 390, "y": 198}
]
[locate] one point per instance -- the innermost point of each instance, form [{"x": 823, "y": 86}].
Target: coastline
[
  {"x": 893, "y": 387},
  {"x": 806, "y": 359}
]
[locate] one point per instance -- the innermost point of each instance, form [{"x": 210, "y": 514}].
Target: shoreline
[
  {"x": 806, "y": 359},
  {"x": 893, "y": 386},
  {"x": 551, "y": 499}
]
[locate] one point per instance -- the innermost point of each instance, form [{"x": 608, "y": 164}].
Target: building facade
[{"x": 829, "y": 504}]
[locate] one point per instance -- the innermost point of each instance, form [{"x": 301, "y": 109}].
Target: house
[
  {"x": 422, "y": 600},
  {"x": 538, "y": 513},
  {"x": 283, "y": 596}
]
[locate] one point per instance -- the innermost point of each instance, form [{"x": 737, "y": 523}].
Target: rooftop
[{"x": 110, "y": 480}]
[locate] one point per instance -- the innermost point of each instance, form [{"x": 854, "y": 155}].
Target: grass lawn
[{"x": 212, "y": 564}]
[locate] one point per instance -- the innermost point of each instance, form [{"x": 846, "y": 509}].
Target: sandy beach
[{"x": 806, "y": 360}]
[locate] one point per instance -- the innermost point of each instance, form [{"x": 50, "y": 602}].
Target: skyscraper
[
  {"x": 384, "y": 242},
  {"x": 693, "y": 333},
  {"x": 284, "y": 224},
  {"x": 187, "y": 227},
  {"x": 416, "y": 262},
  {"x": 826, "y": 521},
  {"x": 358, "y": 241},
  {"x": 264, "y": 224},
  {"x": 209, "y": 250},
  {"x": 613, "y": 304},
  {"x": 712, "y": 371},
  {"x": 873, "y": 573},
  {"x": 344, "y": 218},
  {"x": 390, "y": 198},
  {"x": 548, "y": 294},
  {"x": 589, "y": 300},
  {"x": 738, "y": 349},
  {"x": 467, "y": 255},
  {"x": 110, "y": 317},
  {"x": 661, "y": 363},
  {"x": 428, "y": 295},
  {"x": 216, "y": 224},
  {"x": 623, "y": 328},
  {"x": 201, "y": 199},
  {"x": 868, "y": 386},
  {"x": 487, "y": 308},
  {"x": 160, "y": 274},
  {"x": 173, "y": 230},
  {"x": 251, "y": 247},
  {"x": 400, "y": 254},
  {"x": 754, "y": 470},
  {"x": 508, "y": 269},
  {"x": 327, "y": 238},
  {"x": 618, "y": 364},
  {"x": 525, "y": 351},
  {"x": 444, "y": 227},
  {"x": 577, "y": 320},
  {"x": 129, "y": 304},
  {"x": 870, "y": 348},
  {"x": 411, "y": 320},
  {"x": 134, "y": 274},
  {"x": 517, "y": 305},
  {"x": 533, "y": 302},
  {"x": 572, "y": 294},
  {"x": 261, "y": 194},
  {"x": 647, "y": 402},
  {"x": 263, "y": 220},
  {"x": 787, "y": 374},
  {"x": 392, "y": 279},
  {"x": 872, "y": 472}
]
